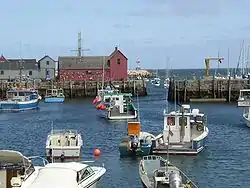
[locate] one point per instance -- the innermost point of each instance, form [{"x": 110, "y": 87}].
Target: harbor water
[{"x": 224, "y": 163}]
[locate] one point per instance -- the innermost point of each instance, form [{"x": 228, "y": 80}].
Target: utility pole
[
  {"x": 79, "y": 48},
  {"x": 20, "y": 62}
]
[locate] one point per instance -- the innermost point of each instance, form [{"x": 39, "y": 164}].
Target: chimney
[{"x": 116, "y": 48}]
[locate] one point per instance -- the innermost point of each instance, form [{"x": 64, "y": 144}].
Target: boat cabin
[
  {"x": 244, "y": 98},
  {"x": 179, "y": 124},
  {"x": 121, "y": 100},
  {"x": 54, "y": 93},
  {"x": 21, "y": 95},
  {"x": 14, "y": 168},
  {"x": 63, "y": 138}
]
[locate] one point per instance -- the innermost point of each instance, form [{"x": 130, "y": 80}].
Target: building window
[
  {"x": 118, "y": 61},
  {"x": 108, "y": 63},
  {"x": 47, "y": 62},
  {"x": 2, "y": 72},
  {"x": 30, "y": 73}
]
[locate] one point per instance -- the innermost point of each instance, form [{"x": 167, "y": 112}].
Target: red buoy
[{"x": 97, "y": 152}]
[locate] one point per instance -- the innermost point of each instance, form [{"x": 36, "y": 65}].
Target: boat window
[
  {"x": 21, "y": 94},
  {"x": 86, "y": 173},
  {"x": 171, "y": 120},
  {"x": 183, "y": 121}
]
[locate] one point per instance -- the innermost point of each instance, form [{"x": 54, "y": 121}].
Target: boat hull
[
  {"x": 246, "y": 120},
  {"x": 105, "y": 114},
  {"x": 19, "y": 106},
  {"x": 54, "y": 99},
  {"x": 142, "y": 151}
]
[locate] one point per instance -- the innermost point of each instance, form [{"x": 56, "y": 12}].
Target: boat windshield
[
  {"x": 63, "y": 131},
  {"x": 85, "y": 174}
]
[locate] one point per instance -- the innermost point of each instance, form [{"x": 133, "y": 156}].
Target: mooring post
[
  {"x": 185, "y": 91},
  {"x": 70, "y": 86},
  {"x": 229, "y": 89},
  {"x": 213, "y": 87}
]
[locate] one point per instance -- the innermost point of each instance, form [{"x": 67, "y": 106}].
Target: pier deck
[
  {"x": 206, "y": 90},
  {"x": 80, "y": 88}
]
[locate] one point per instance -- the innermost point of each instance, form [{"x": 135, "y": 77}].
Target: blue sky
[{"x": 185, "y": 31}]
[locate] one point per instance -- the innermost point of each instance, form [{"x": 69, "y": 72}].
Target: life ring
[{"x": 200, "y": 127}]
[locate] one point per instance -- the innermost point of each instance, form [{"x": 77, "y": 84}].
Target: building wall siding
[
  {"x": 118, "y": 67},
  {"x": 83, "y": 74},
  {"x": 49, "y": 68},
  {"x": 12, "y": 74}
]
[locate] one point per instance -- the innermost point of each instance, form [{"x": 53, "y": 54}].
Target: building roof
[
  {"x": 2, "y": 59},
  {"x": 85, "y": 62},
  {"x": 115, "y": 51},
  {"x": 13, "y": 64},
  {"x": 46, "y": 56}
]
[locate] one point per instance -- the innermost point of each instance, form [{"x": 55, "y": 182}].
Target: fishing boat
[
  {"x": 136, "y": 143},
  {"x": 157, "y": 82},
  {"x": 118, "y": 107},
  {"x": 102, "y": 92},
  {"x": 63, "y": 144},
  {"x": 19, "y": 171},
  {"x": 54, "y": 96},
  {"x": 156, "y": 172},
  {"x": 244, "y": 98},
  {"x": 20, "y": 99},
  {"x": 188, "y": 132}
]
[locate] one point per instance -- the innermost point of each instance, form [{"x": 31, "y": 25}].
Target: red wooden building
[{"x": 91, "y": 67}]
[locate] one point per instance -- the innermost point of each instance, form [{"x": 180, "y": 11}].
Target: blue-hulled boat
[
  {"x": 54, "y": 96},
  {"x": 20, "y": 99}
]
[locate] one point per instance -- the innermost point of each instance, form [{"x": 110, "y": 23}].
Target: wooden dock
[
  {"x": 80, "y": 88},
  {"x": 206, "y": 90}
]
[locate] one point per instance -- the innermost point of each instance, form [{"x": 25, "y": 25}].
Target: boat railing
[{"x": 44, "y": 161}]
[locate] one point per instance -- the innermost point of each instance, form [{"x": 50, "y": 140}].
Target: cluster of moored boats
[
  {"x": 18, "y": 99},
  {"x": 184, "y": 133}
]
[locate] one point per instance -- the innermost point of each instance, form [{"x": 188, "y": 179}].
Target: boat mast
[
  {"x": 228, "y": 61},
  {"x": 52, "y": 156},
  {"x": 103, "y": 62}
]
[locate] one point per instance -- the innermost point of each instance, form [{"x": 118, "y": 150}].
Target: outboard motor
[
  {"x": 134, "y": 144},
  {"x": 175, "y": 180}
]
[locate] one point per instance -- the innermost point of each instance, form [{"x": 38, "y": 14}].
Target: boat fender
[{"x": 200, "y": 127}]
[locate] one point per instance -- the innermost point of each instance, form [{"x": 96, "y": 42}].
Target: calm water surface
[{"x": 224, "y": 163}]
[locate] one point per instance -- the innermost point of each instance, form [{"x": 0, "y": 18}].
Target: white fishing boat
[
  {"x": 118, "y": 107},
  {"x": 63, "y": 144},
  {"x": 188, "y": 132},
  {"x": 156, "y": 172},
  {"x": 244, "y": 98},
  {"x": 102, "y": 92},
  {"x": 17, "y": 171}
]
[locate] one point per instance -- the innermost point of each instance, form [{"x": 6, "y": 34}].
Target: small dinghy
[{"x": 156, "y": 172}]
